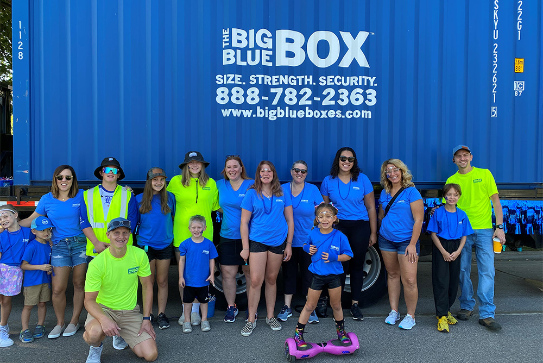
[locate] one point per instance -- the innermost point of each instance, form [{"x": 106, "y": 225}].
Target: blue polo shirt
[
  {"x": 197, "y": 256},
  {"x": 13, "y": 244},
  {"x": 334, "y": 241},
  {"x": 37, "y": 253},
  {"x": 450, "y": 225},
  {"x": 68, "y": 217},
  {"x": 268, "y": 224},
  {"x": 303, "y": 208},
  {"x": 155, "y": 229},
  {"x": 230, "y": 202},
  {"x": 397, "y": 226},
  {"x": 348, "y": 198}
]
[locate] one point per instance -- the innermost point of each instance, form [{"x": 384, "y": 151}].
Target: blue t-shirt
[
  {"x": 268, "y": 224},
  {"x": 230, "y": 202},
  {"x": 397, "y": 226},
  {"x": 197, "y": 256},
  {"x": 303, "y": 208},
  {"x": 348, "y": 198},
  {"x": 68, "y": 218},
  {"x": 37, "y": 253},
  {"x": 155, "y": 229},
  {"x": 13, "y": 244},
  {"x": 450, "y": 225},
  {"x": 334, "y": 241}
]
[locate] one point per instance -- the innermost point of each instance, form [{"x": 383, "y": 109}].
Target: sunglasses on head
[
  {"x": 296, "y": 170},
  {"x": 116, "y": 224},
  {"x": 349, "y": 158},
  {"x": 108, "y": 170},
  {"x": 62, "y": 177}
]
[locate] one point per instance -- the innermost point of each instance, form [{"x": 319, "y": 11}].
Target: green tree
[{"x": 6, "y": 72}]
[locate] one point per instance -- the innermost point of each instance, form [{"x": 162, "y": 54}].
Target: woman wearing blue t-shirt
[
  {"x": 351, "y": 193},
  {"x": 232, "y": 190},
  {"x": 156, "y": 209},
  {"x": 269, "y": 240},
  {"x": 305, "y": 197},
  {"x": 66, "y": 209},
  {"x": 401, "y": 223}
]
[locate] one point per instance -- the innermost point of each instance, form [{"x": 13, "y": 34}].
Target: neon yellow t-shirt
[
  {"x": 116, "y": 279},
  {"x": 477, "y": 187},
  {"x": 190, "y": 201}
]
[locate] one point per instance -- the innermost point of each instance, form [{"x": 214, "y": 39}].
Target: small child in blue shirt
[
  {"x": 449, "y": 226},
  {"x": 13, "y": 241},
  {"x": 328, "y": 247},
  {"x": 196, "y": 271},
  {"x": 36, "y": 285}
]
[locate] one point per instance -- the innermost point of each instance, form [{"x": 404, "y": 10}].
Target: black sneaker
[
  {"x": 163, "y": 322},
  {"x": 356, "y": 313}
]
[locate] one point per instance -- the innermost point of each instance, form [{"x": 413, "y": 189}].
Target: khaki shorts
[
  {"x": 129, "y": 321},
  {"x": 36, "y": 294}
]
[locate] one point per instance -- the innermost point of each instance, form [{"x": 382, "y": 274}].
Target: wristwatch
[
  {"x": 147, "y": 318},
  {"x": 499, "y": 226}
]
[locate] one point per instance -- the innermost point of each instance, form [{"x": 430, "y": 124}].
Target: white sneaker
[
  {"x": 5, "y": 341},
  {"x": 392, "y": 317},
  {"x": 195, "y": 318},
  {"x": 407, "y": 323},
  {"x": 181, "y": 318},
  {"x": 95, "y": 353},
  {"x": 119, "y": 343},
  {"x": 56, "y": 332}
]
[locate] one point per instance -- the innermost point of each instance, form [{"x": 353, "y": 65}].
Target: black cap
[
  {"x": 193, "y": 156},
  {"x": 109, "y": 162}
]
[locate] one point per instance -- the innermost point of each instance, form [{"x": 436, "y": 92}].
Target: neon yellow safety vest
[{"x": 95, "y": 213}]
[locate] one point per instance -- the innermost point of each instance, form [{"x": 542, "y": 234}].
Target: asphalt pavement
[{"x": 518, "y": 297}]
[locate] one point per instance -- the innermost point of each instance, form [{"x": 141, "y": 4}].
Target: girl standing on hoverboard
[{"x": 328, "y": 247}]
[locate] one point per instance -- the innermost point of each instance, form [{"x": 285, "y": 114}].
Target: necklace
[
  {"x": 339, "y": 189},
  {"x": 301, "y": 196},
  {"x": 266, "y": 210}
]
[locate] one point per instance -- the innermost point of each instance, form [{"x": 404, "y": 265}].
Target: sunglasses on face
[
  {"x": 347, "y": 158},
  {"x": 62, "y": 177},
  {"x": 296, "y": 170},
  {"x": 108, "y": 170}
]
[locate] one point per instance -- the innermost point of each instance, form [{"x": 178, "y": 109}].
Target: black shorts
[
  {"x": 229, "y": 250},
  {"x": 163, "y": 254},
  {"x": 320, "y": 281},
  {"x": 200, "y": 293},
  {"x": 261, "y": 247}
]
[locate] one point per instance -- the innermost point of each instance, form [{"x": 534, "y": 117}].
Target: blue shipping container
[{"x": 147, "y": 81}]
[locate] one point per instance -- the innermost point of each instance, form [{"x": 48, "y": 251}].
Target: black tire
[
  {"x": 375, "y": 280},
  {"x": 290, "y": 358}
]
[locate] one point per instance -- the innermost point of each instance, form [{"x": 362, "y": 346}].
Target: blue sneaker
[
  {"x": 407, "y": 323},
  {"x": 313, "y": 318},
  {"x": 231, "y": 314},
  {"x": 285, "y": 313}
]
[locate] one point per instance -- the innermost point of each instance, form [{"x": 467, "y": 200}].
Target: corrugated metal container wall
[{"x": 138, "y": 80}]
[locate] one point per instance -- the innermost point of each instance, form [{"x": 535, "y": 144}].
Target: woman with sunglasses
[
  {"x": 232, "y": 190},
  {"x": 195, "y": 194},
  {"x": 305, "y": 197},
  {"x": 351, "y": 193},
  {"x": 401, "y": 213},
  {"x": 268, "y": 242},
  {"x": 66, "y": 209}
]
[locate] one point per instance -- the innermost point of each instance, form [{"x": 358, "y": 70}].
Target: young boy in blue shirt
[
  {"x": 449, "y": 226},
  {"x": 196, "y": 267},
  {"x": 36, "y": 283}
]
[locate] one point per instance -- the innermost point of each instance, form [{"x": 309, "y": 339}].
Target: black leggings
[
  {"x": 290, "y": 271},
  {"x": 358, "y": 233},
  {"x": 445, "y": 277}
]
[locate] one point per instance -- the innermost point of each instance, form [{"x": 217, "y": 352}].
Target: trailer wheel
[{"x": 375, "y": 281}]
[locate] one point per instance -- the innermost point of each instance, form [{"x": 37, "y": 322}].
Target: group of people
[{"x": 320, "y": 234}]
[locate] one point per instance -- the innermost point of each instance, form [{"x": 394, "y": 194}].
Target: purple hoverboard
[{"x": 333, "y": 346}]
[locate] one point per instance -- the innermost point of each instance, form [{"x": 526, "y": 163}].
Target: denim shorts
[
  {"x": 69, "y": 252},
  {"x": 399, "y": 247}
]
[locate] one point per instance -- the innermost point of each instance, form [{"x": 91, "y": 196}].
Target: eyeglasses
[
  {"x": 296, "y": 170},
  {"x": 392, "y": 170},
  {"x": 62, "y": 177},
  {"x": 118, "y": 223},
  {"x": 108, "y": 170},
  {"x": 347, "y": 158}
]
